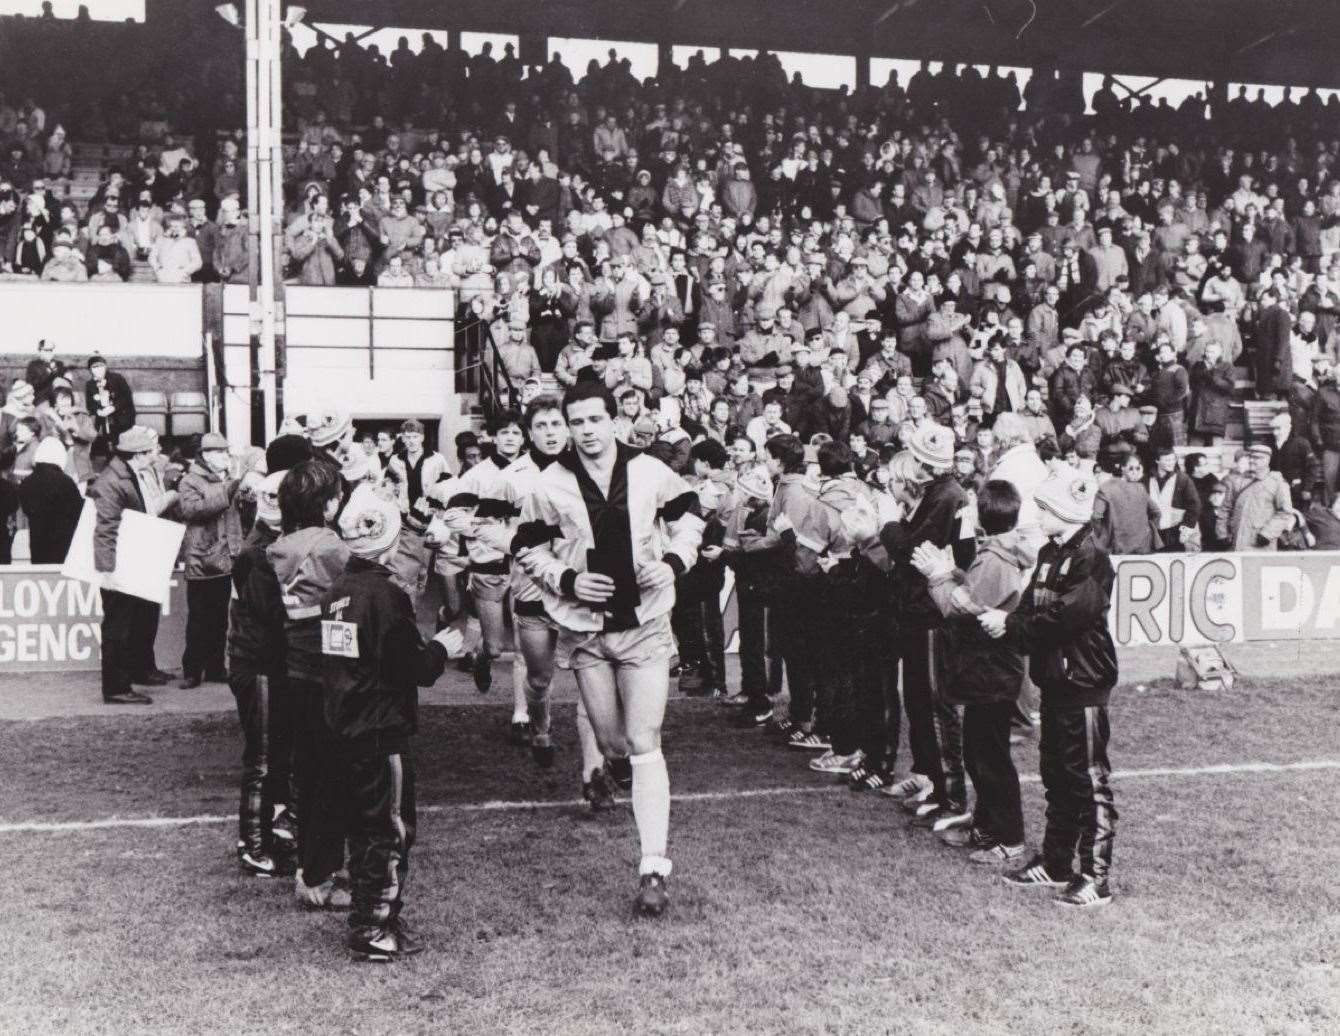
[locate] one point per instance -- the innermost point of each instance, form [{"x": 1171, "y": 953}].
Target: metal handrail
[{"x": 496, "y": 391}]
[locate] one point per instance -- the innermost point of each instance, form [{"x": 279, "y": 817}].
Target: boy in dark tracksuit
[
  {"x": 696, "y": 617},
  {"x": 1062, "y": 623},
  {"x": 256, "y": 675},
  {"x": 757, "y": 576},
  {"x": 943, "y": 519},
  {"x": 985, "y": 675},
  {"x": 373, "y": 662}
]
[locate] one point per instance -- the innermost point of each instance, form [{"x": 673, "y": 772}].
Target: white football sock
[{"x": 651, "y": 809}]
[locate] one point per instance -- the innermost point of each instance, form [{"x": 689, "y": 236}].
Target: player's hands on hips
[
  {"x": 993, "y": 622},
  {"x": 655, "y": 575},
  {"x": 593, "y": 588}
]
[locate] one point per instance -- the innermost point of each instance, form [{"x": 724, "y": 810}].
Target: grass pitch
[{"x": 817, "y": 911}]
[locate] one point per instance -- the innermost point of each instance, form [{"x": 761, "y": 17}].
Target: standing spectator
[
  {"x": 1169, "y": 391},
  {"x": 213, "y": 539},
  {"x": 1274, "y": 331},
  {"x": 1324, "y": 422},
  {"x": 108, "y": 398},
  {"x": 1178, "y": 502},
  {"x": 45, "y": 373},
  {"x": 1293, "y": 459},
  {"x": 52, "y": 502},
  {"x": 1213, "y": 383},
  {"x": 1124, "y": 517},
  {"x": 128, "y": 623},
  {"x": 1257, "y": 509}
]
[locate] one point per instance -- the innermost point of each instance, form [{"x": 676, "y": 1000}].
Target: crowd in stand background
[{"x": 736, "y": 255}]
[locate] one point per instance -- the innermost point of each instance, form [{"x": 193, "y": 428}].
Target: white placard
[{"x": 146, "y": 553}]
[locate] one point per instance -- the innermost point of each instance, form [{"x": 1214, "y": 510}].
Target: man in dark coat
[
  {"x": 128, "y": 623},
  {"x": 45, "y": 373},
  {"x": 108, "y": 399},
  {"x": 52, "y": 503},
  {"x": 1274, "y": 330}
]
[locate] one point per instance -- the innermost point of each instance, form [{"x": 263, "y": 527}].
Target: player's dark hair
[
  {"x": 304, "y": 493},
  {"x": 788, "y": 450},
  {"x": 711, "y": 453},
  {"x": 585, "y": 390},
  {"x": 539, "y": 405},
  {"x": 998, "y": 504},
  {"x": 834, "y": 459}
]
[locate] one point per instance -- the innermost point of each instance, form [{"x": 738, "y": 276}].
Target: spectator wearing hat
[
  {"x": 312, "y": 244},
  {"x": 108, "y": 398},
  {"x": 45, "y": 373},
  {"x": 940, "y": 518},
  {"x": 1061, "y": 623},
  {"x": 52, "y": 503},
  {"x": 207, "y": 503},
  {"x": 129, "y": 623},
  {"x": 370, "y": 701},
  {"x": 1257, "y": 509},
  {"x": 414, "y": 471}
]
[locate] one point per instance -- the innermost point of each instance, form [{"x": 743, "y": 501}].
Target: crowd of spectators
[{"x": 737, "y": 255}]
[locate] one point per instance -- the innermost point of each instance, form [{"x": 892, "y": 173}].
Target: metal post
[
  {"x": 255, "y": 224},
  {"x": 279, "y": 340}
]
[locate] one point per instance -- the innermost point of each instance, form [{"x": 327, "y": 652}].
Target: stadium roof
[{"x": 1257, "y": 41}]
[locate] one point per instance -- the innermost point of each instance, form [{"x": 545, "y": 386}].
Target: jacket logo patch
[{"x": 339, "y": 639}]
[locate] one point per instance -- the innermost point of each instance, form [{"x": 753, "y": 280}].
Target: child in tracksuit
[
  {"x": 985, "y": 675},
  {"x": 1062, "y": 623},
  {"x": 256, "y": 675},
  {"x": 373, "y": 660}
]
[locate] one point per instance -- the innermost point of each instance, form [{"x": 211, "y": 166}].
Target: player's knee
[{"x": 644, "y": 740}]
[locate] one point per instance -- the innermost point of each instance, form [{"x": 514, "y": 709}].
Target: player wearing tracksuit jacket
[
  {"x": 373, "y": 660},
  {"x": 1062, "y": 624},
  {"x": 943, "y": 519}
]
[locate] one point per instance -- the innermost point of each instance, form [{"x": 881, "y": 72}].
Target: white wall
[
  {"x": 380, "y": 352},
  {"x": 112, "y": 319}
]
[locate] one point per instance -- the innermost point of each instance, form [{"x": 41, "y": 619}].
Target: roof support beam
[{"x": 1101, "y": 14}]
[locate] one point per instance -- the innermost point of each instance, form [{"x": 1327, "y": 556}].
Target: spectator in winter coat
[
  {"x": 1258, "y": 510},
  {"x": 108, "y": 398},
  {"x": 1274, "y": 329},
  {"x": 1324, "y": 426},
  {"x": 175, "y": 257},
  {"x": 1124, "y": 516},
  {"x": 1212, "y": 385},
  {"x": 312, "y": 243},
  {"x": 52, "y": 503}
]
